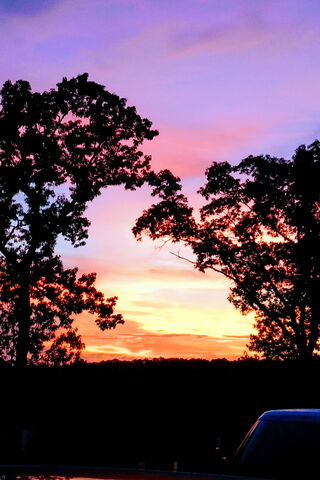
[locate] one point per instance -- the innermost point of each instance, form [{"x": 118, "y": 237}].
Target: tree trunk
[
  {"x": 305, "y": 354},
  {"x": 23, "y": 313}
]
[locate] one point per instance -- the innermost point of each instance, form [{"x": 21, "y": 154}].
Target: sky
[{"x": 219, "y": 79}]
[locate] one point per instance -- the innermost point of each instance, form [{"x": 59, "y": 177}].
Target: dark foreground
[
  {"x": 152, "y": 413},
  {"x": 63, "y": 473}
]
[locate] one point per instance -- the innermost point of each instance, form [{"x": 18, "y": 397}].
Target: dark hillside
[{"x": 120, "y": 413}]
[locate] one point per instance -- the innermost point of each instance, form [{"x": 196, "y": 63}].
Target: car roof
[{"x": 297, "y": 415}]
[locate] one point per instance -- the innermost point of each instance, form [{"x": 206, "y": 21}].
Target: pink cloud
[
  {"x": 189, "y": 151},
  {"x": 249, "y": 30}
]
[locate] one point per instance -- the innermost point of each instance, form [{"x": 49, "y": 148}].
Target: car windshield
[{"x": 276, "y": 448}]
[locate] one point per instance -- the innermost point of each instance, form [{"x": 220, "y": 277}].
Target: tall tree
[
  {"x": 260, "y": 228},
  {"x": 58, "y": 149}
]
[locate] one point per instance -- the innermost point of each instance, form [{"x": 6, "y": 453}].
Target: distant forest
[{"x": 144, "y": 412}]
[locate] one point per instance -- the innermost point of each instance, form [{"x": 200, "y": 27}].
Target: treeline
[{"x": 148, "y": 413}]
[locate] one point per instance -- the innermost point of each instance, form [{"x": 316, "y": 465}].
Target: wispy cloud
[
  {"x": 236, "y": 38},
  {"x": 140, "y": 343}
]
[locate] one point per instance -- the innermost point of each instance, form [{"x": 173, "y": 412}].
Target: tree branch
[{"x": 195, "y": 263}]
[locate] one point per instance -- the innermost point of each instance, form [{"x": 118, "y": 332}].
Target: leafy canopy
[
  {"x": 58, "y": 149},
  {"x": 259, "y": 227}
]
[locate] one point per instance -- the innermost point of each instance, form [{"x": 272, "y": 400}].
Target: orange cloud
[{"x": 130, "y": 341}]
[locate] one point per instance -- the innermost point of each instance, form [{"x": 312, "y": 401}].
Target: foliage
[
  {"x": 58, "y": 149},
  {"x": 260, "y": 228}
]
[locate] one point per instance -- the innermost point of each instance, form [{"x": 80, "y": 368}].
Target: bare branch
[{"x": 197, "y": 265}]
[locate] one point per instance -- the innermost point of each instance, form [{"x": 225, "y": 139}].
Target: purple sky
[{"x": 220, "y": 79}]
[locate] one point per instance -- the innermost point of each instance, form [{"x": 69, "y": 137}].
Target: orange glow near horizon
[{"x": 170, "y": 309}]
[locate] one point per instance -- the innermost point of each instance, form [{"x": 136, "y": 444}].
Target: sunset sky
[{"x": 219, "y": 79}]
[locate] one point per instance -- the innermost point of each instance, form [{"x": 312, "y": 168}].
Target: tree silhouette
[
  {"x": 58, "y": 149},
  {"x": 260, "y": 228}
]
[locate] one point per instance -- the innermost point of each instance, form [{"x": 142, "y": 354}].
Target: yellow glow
[{"x": 164, "y": 305}]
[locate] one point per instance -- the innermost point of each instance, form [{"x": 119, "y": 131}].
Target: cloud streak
[{"x": 142, "y": 344}]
